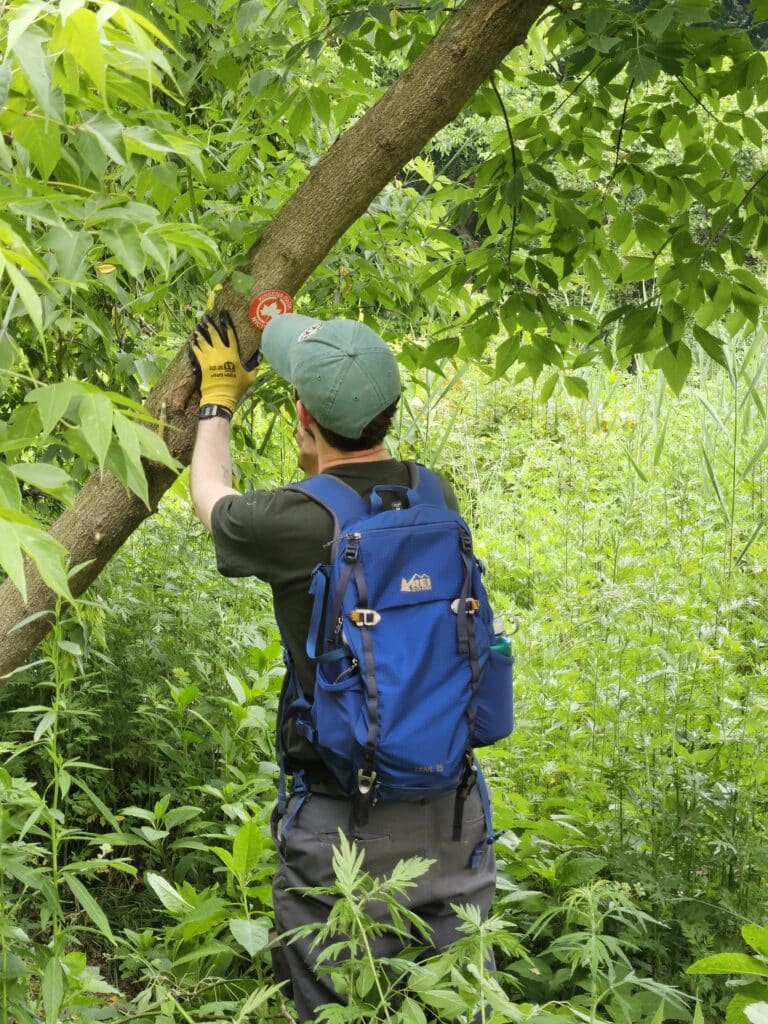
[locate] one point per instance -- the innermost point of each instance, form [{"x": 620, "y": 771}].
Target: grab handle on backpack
[{"x": 377, "y": 503}]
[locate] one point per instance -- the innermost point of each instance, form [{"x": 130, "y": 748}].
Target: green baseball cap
[{"x": 343, "y": 371}]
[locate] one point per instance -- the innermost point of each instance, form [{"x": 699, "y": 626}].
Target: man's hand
[
  {"x": 215, "y": 352},
  {"x": 305, "y": 442}
]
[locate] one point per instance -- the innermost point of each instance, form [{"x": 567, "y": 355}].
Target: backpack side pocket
[
  {"x": 493, "y": 702},
  {"x": 336, "y": 710}
]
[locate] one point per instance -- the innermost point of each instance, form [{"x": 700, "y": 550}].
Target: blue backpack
[{"x": 410, "y": 675}]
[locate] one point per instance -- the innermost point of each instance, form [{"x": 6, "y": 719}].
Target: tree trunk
[{"x": 337, "y": 191}]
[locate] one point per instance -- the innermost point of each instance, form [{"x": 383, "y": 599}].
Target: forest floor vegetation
[{"x": 624, "y": 535}]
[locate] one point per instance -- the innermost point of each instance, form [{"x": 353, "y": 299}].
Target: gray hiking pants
[{"x": 395, "y": 831}]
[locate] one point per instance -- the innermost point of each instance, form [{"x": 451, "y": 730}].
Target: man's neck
[{"x": 333, "y": 457}]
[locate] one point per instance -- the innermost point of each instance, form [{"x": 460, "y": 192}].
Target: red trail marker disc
[{"x": 268, "y": 305}]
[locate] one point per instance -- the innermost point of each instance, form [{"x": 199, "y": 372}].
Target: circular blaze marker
[{"x": 267, "y": 305}]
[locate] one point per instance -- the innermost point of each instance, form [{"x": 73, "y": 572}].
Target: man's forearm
[{"x": 210, "y": 475}]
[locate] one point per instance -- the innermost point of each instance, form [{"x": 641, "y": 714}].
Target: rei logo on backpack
[{"x": 410, "y": 676}]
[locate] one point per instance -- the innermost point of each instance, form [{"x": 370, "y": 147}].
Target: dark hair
[{"x": 373, "y": 434}]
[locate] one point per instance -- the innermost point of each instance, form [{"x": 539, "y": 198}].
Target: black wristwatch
[{"x": 210, "y": 411}]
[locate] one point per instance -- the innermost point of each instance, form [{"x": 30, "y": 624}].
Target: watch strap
[{"x": 210, "y": 410}]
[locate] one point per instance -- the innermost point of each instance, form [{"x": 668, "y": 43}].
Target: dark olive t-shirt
[{"x": 279, "y": 536}]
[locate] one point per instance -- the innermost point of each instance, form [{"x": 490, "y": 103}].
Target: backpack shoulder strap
[
  {"x": 341, "y": 501},
  {"x": 426, "y": 484}
]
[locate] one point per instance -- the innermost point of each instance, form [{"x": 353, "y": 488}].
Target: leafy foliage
[{"x": 603, "y": 198}]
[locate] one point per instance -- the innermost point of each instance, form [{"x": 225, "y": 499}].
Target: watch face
[{"x": 208, "y": 412}]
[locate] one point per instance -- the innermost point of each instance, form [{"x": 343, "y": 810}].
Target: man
[{"x": 347, "y": 388}]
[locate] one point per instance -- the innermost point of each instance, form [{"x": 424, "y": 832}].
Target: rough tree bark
[{"x": 337, "y": 191}]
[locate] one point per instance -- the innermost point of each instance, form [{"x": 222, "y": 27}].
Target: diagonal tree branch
[{"x": 337, "y": 191}]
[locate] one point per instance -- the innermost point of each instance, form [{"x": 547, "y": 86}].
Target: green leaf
[
  {"x": 261, "y": 80},
  {"x": 747, "y": 995},
  {"x": 11, "y": 558},
  {"x": 247, "y": 847},
  {"x": 242, "y": 283},
  {"x": 660, "y": 1015},
  {"x": 660, "y": 20},
  {"x": 95, "y": 417},
  {"x": 17, "y": 529},
  {"x": 89, "y": 905},
  {"x": 49, "y": 557},
  {"x": 130, "y": 448},
  {"x": 53, "y": 989},
  {"x": 253, "y": 934},
  {"x": 52, "y": 402},
  {"x": 651, "y": 235},
  {"x": 146, "y": 141},
  {"x": 28, "y": 50},
  {"x": 173, "y": 902},
  {"x": 5, "y": 83},
  {"x": 578, "y": 870},
  {"x": 548, "y": 387},
  {"x": 10, "y": 494},
  {"x": 412, "y": 1012},
  {"x": 638, "y": 268},
  {"x": 80, "y": 37},
  {"x": 45, "y": 477},
  {"x": 753, "y": 934},
  {"x": 29, "y": 297},
  {"x": 109, "y": 135},
  {"x": 675, "y": 362},
  {"x": 41, "y": 137},
  {"x": 729, "y": 963},
  {"x": 70, "y": 249},
  {"x": 711, "y": 344},
  {"x": 576, "y": 387},
  {"x": 643, "y": 67},
  {"x": 124, "y": 243}
]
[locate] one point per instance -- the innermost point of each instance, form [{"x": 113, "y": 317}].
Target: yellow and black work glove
[{"x": 224, "y": 378}]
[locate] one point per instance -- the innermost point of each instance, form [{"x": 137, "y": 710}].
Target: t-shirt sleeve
[
  {"x": 274, "y": 535},
  {"x": 240, "y": 528}
]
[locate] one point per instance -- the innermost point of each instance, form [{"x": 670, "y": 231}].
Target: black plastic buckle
[
  {"x": 352, "y": 548},
  {"x": 470, "y": 777}
]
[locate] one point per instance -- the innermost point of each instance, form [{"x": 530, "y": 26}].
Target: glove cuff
[{"x": 210, "y": 410}]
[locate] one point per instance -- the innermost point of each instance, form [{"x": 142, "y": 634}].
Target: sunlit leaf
[
  {"x": 95, "y": 416},
  {"x": 253, "y": 934},
  {"x": 165, "y": 892}
]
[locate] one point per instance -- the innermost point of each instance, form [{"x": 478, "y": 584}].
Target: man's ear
[{"x": 306, "y": 419}]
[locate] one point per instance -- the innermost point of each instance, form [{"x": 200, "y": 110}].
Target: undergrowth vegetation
[{"x": 624, "y": 534}]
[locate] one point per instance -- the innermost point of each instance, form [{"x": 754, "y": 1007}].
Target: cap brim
[{"x": 278, "y": 340}]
